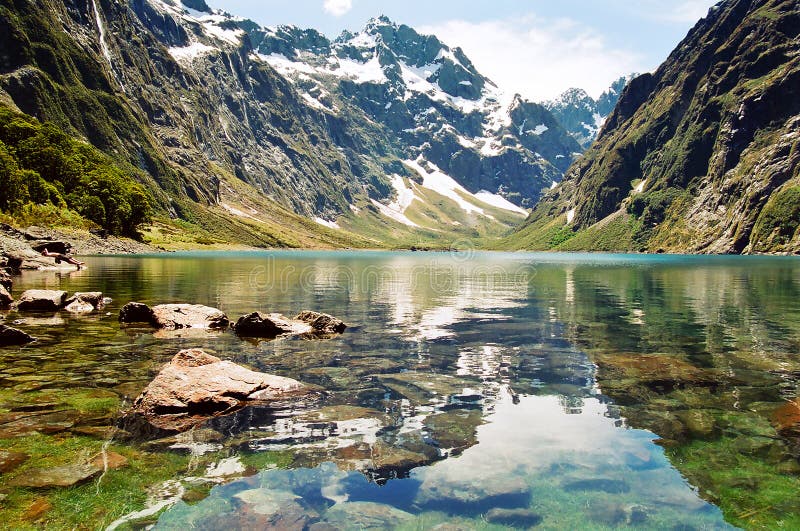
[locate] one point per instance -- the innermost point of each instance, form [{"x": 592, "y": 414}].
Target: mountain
[
  {"x": 279, "y": 136},
  {"x": 700, "y": 156},
  {"x": 583, "y": 116}
]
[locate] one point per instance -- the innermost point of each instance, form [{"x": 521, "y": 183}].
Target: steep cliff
[{"x": 701, "y": 155}]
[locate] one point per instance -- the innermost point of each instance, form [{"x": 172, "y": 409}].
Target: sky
[{"x": 536, "y": 48}]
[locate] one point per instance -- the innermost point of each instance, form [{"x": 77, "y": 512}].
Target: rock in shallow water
[
  {"x": 322, "y": 323},
  {"x": 135, "y": 312},
  {"x": 196, "y": 386},
  {"x": 41, "y": 300},
  {"x": 308, "y": 324},
  {"x": 12, "y": 336},
  {"x": 174, "y": 316},
  {"x": 271, "y": 325},
  {"x": 84, "y": 302}
]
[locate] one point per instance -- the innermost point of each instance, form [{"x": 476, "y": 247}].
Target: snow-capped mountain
[
  {"x": 386, "y": 133},
  {"x": 583, "y": 116},
  {"x": 444, "y": 115}
]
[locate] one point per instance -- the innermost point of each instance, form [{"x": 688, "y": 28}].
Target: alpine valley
[{"x": 241, "y": 134}]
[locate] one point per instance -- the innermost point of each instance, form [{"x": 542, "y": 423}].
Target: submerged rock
[
  {"x": 366, "y": 515},
  {"x": 516, "y": 518},
  {"x": 322, "y": 323},
  {"x": 271, "y": 325},
  {"x": 69, "y": 475},
  {"x": 196, "y": 386},
  {"x": 11, "y": 460},
  {"x": 41, "y": 300},
  {"x": 12, "y": 336},
  {"x": 174, "y": 316},
  {"x": 85, "y": 302}
]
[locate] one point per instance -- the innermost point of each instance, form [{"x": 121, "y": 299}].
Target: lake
[{"x": 470, "y": 391}]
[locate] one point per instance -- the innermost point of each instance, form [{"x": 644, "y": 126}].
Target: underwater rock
[
  {"x": 69, "y": 475},
  {"x": 516, "y": 518},
  {"x": 26, "y": 423},
  {"x": 84, "y": 302},
  {"x": 700, "y": 423},
  {"x": 196, "y": 386},
  {"x": 322, "y": 323},
  {"x": 12, "y": 336},
  {"x": 257, "y": 324},
  {"x": 11, "y": 460},
  {"x": 41, "y": 300},
  {"x": 174, "y": 316},
  {"x": 366, "y": 515}
]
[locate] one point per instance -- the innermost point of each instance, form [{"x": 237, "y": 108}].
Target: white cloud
[
  {"x": 680, "y": 12},
  {"x": 337, "y": 8},
  {"x": 539, "y": 58}
]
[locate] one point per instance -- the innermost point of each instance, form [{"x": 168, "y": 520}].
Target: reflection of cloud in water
[
  {"x": 427, "y": 303},
  {"x": 536, "y": 440}
]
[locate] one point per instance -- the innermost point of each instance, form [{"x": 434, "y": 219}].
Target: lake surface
[{"x": 471, "y": 391}]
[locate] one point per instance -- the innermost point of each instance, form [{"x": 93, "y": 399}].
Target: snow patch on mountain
[
  {"x": 187, "y": 54},
  {"x": 499, "y": 201},
  {"x": 443, "y": 184}
]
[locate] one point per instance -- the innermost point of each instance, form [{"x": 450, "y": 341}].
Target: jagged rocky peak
[
  {"x": 583, "y": 116},
  {"x": 288, "y": 40}
]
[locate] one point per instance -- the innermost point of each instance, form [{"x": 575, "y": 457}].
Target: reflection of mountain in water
[{"x": 703, "y": 355}]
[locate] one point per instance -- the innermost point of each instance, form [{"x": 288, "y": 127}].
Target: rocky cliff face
[
  {"x": 583, "y": 116},
  {"x": 700, "y": 156},
  {"x": 240, "y": 126}
]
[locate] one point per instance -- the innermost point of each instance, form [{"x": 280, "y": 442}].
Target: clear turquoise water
[{"x": 465, "y": 383}]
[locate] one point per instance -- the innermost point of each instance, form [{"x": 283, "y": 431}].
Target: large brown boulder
[
  {"x": 41, "y": 300},
  {"x": 174, "y": 316},
  {"x": 11, "y": 336},
  {"x": 322, "y": 323},
  {"x": 84, "y": 302},
  {"x": 271, "y": 325},
  {"x": 196, "y": 386}
]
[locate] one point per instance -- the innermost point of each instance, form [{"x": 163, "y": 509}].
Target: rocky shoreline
[{"x": 15, "y": 241}]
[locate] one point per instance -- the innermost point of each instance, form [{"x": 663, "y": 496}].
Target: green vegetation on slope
[{"x": 42, "y": 165}]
